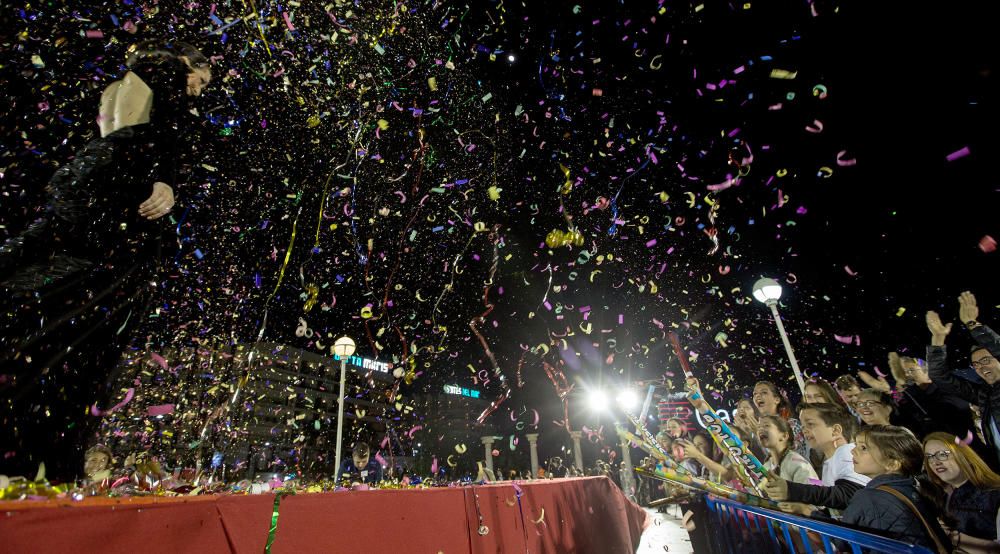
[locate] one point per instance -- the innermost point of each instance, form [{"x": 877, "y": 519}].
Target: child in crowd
[
  {"x": 769, "y": 400},
  {"x": 891, "y": 503},
  {"x": 829, "y": 429}
]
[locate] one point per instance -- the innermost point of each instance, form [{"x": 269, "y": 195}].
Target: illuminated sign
[
  {"x": 365, "y": 363},
  {"x": 460, "y": 391}
]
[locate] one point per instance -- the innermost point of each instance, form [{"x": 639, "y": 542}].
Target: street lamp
[
  {"x": 598, "y": 400},
  {"x": 628, "y": 400},
  {"x": 768, "y": 291},
  {"x": 343, "y": 348}
]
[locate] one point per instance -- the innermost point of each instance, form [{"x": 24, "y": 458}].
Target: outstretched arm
[
  {"x": 968, "y": 312},
  {"x": 937, "y": 363}
]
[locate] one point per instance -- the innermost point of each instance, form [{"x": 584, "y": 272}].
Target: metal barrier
[{"x": 742, "y": 529}]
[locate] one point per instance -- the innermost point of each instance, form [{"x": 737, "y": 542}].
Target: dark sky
[{"x": 338, "y": 145}]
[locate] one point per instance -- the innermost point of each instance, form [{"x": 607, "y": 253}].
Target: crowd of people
[{"x": 916, "y": 460}]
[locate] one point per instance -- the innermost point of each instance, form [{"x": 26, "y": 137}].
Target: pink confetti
[
  {"x": 95, "y": 411},
  {"x": 158, "y": 359},
  {"x": 845, "y": 163},
  {"x": 651, "y": 243},
  {"x": 95, "y": 34},
  {"x": 849, "y": 271},
  {"x": 381, "y": 461},
  {"x": 162, "y": 409},
  {"x": 987, "y": 244},
  {"x": 621, "y": 319},
  {"x": 846, "y": 340},
  {"x": 288, "y": 22},
  {"x": 960, "y": 153},
  {"x": 967, "y": 440}
]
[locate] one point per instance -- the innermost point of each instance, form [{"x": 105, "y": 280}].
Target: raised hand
[
  {"x": 747, "y": 419},
  {"x": 968, "y": 311},
  {"x": 938, "y": 330},
  {"x": 879, "y": 384},
  {"x": 159, "y": 203}
]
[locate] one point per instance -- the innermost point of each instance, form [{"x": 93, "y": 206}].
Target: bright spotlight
[
  {"x": 598, "y": 400},
  {"x": 628, "y": 400},
  {"x": 511, "y": 58}
]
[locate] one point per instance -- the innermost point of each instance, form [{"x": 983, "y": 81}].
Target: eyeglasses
[
  {"x": 981, "y": 362},
  {"x": 868, "y": 404},
  {"x": 941, "y": 455}
]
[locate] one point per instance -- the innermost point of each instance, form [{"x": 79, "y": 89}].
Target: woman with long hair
[
  {"x": 818, "y": 391},
  {"x": 81, "y": 277},
  {"x": 972, "y": 492},
  {"x": 770, "y": 400}
]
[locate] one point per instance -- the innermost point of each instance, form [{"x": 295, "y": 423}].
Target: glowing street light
[
  {"x": 628, "y": 400},
  {"x": 597, "y": 399},
  {"x": 343, "y": 348},
  {"x": 768, "y": 291}
]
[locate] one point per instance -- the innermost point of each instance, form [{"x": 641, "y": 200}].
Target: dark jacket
[
  {"x": 975, "y": 511},
  {"x": 925, "y": 410},
  {"x": 371, "y": 473},
  {"x": 881, "y": 512},
  {"x": 836, "y": 497},
  {"x": 987, "y": 397}
]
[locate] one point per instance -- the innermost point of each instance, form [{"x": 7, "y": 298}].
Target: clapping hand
[
  {"x": 968, "y": 311},
  {"x": 938, "y": 330}
]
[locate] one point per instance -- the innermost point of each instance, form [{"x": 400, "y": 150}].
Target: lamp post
[
  {"x": 343, "y": 348},
  {"x": 768, "y": 291}
]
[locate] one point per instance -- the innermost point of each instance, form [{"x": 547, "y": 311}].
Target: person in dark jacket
[
  {"x": 925, "y": 408},
  {"x": 892, "y": 457},
  {"x": 984, "y": 360},
  {"x": 361, "y": 468},
  {"x": 972, "y": 492},
  {"x": 83, "y": 276}
]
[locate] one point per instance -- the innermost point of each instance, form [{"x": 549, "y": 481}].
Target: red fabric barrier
[{"x": 580, "y": 515}]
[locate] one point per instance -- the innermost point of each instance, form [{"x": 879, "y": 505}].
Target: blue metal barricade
[{"x": 740, "y": 529}]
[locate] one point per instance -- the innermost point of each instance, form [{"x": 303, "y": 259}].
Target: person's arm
[
  {"x": 968, "y": 313},
  {"x": 836, "y": 497},
  {"x": 167, "y": 80},
  {"x": 937, "y": 363},
  {"x": 692, "y": 452}
]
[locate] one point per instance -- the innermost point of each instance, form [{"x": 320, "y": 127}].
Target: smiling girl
[{"x": 891, "y": 502}]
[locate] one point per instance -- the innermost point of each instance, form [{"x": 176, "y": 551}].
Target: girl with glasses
[{"x": 972, "y": 492}]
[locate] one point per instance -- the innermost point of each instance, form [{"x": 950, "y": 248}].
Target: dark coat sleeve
[
  {"x": 836, "y": 497},
  {"x": 168, "y": 81},
  {"x": 937, "y": 368}
]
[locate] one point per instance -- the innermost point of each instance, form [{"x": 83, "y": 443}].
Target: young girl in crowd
[
  {"x": 770, "y": 401},
  {"x": 829, "y": 429},
  {"x": 747, "y": 417},
  {"x": 776, "y": 436},
  {"x": 972, "y": 492},
  {"x": 819, "y": 391},
  {"x": 891, "y": 503}
]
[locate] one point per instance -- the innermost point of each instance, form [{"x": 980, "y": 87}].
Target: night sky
[{"x": 410, "y": 169}]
